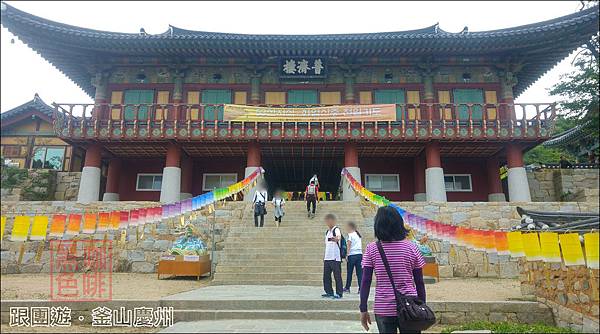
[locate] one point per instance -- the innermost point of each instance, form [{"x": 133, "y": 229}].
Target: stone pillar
[
  {"x": 351, "y": 164},
  {"x": 89, "y": 187},
  {"x": 187, "y": 170},
  {"x": 255, "y": 88},
  {"x": 252, "y": 162},
  {"x": 495, "y": 193},
  {"x": 112, "y": 181},
  {"x": 419, "y": 174},
  {"x": 349, "y": 97},
  {"x": 435, "y": 187},
  {"x": 171, "y": 179},
  {"x": 518, "y": 186}
]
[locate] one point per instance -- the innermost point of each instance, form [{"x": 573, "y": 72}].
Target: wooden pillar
[
  {"x": 419, "y": 174},
  {"x": 349, "y": 96},
  {"x": 435, "y": 187},
  {"x": 112, "y": 180},
  {"x": 187, "y": 169},
  {"x": 171, "y": 180},
  {"x": 89, "y": 186},
  {"x": 518, "y": 186},
  {"x": 495, "y": 193},
  {"x": 351, "y": 165},
  {"x": 253, "y": 160}
]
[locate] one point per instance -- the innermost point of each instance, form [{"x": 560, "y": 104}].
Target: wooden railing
[{"x": 418, "y": 122}]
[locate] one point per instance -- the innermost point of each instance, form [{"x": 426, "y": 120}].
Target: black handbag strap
[{"x": 389, "y": 271}]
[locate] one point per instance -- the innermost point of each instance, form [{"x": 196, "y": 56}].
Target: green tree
[{"x": 578, "y": 90}]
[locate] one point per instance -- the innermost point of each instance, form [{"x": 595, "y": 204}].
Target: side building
[
  {"x": 178, "y": 113},
  {"x": 28, "y": 139}
]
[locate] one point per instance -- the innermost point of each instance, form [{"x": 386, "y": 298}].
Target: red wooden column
[
  {"x": 435, "y": 187},
  {"x": 495, "y": 193},
  {"x": 351, "y": 165},
  {"x": 112, "y": 180},
  {"x": 419, "y": 174},
  {"x": 253, "y": 160},
  {"x": 171, "y": 179},
  {"x": 89, "y": 186},
  {"x": 518, "y": 186},
  {"x": 187, "y": 168}
]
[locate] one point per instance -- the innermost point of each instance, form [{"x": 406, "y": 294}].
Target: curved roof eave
[{"x": 542, "y": 45}]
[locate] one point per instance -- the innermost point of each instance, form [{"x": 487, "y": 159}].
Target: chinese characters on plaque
[{"x": 302, "y": 67}]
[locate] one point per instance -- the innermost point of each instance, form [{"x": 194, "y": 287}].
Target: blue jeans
[{"x": 353, "y": 261}]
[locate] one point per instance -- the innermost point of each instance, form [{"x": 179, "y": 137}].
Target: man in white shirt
[{"x": 332, "y": 261}]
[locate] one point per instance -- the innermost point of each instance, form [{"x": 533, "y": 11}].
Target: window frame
[
  {"x": 216, "y": 174},
  {"x": 137, "y": 181},
  {"x": 454, "y": 182},
  {"x": 46, "y": 147},
  {"x": 381, "y": 175}
]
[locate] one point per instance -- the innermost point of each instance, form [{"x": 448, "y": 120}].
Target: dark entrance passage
[{"x": 289, "y": 168}]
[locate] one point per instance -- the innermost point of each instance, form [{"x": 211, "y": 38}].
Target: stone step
[
  {"x": 283, "y": 257},
  {"x": 260, "y": 277},
  {"x": 269, "y": 269},
  {"x": 224, "y": 280},
  {"x": 269, "y": 262},
  {"x": 195, "y": 315}
]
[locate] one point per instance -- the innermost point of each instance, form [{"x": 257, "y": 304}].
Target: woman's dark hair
[
  {"x": 353, "y": 226},
  {"x": 389, "y": 225}
]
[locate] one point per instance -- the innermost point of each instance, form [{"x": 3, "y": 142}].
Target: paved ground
[
  {"x": 273, "y": 326},
  {"x": 472, "y": 289}
]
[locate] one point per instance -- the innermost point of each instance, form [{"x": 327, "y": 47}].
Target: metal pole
[{"x": 212, "y": 247}]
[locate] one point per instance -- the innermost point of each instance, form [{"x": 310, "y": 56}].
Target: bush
[{"x": 507, "y": 327}]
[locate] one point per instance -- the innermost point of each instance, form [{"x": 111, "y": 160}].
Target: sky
[{"x": 23, "y": 72}]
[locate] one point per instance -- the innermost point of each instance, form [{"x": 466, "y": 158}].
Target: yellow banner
[
  {"x": 366, "y": 112},
  {"x": 39, "y": 228},
  {"x": 20, "y": 228},
  {"x": 550, "y": 248},
  {"x": 515, "y": 244},
  {"x": 571, "y": 249},
  {"x": 592, "y": 252},
  {"x": 531, "y": 246}
]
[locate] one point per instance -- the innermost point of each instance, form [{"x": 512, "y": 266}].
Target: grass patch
[{"x": 507, "y": 327}]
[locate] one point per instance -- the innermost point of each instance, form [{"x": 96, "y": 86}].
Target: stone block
[
  {"x": 508, "y": 270},
  {"x": 497, "y": 317},
  {"x": 453, "y": 318},
  {"x": 142, "y": 267},
  {"x": 446, "y": 271},
  {"x": 31, "y": 269},
  {"x": 465, "y": 270},
  {"x": 136, "y": 256},
  {"x": 162, "y": 245}
]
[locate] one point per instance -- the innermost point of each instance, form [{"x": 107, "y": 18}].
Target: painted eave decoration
[{"x": 538, "y": 46}]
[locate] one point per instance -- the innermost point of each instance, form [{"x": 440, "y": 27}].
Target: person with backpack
[
  {"x": 312, "y": 190},
  {"x": 332, "y": 261},
  {"x": 354, "y": 256},
  {"x": 260, "y": 209}
]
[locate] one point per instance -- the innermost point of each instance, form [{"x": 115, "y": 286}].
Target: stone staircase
[{"x": 291, "y": 254}]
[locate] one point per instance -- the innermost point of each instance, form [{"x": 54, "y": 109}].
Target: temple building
[{"x": 420, "y": 115}]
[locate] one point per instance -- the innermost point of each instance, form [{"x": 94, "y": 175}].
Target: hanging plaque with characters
[{"x": 302, "y": 67}]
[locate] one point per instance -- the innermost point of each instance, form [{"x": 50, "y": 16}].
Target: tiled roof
[
  {"x": 35, "y": 104},
  {"x": 567, "y": 136},
  {"x": 540, "y": 45}
]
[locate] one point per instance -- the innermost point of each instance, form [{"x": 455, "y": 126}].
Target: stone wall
[
  {"x": 555, "y": 185},
  {"x": 457, "y": 261},
  {"x": 67, "y": 186},
  {"x": 571, "y": 292},
  {"x": 140, "y": 252}
]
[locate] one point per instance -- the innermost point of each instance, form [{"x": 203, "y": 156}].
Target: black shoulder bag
[{"x": 413, "y": 313}]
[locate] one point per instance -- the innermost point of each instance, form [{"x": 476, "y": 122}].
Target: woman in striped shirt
[{"x": 406, "y": 263}]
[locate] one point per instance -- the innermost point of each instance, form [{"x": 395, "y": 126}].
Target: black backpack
[{"x": 343, "y": 245}]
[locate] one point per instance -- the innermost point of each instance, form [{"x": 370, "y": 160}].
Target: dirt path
[{"x": 125, "y": 286}]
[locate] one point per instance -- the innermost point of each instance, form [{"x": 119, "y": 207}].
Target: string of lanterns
[{"x": 547, "y": 246}]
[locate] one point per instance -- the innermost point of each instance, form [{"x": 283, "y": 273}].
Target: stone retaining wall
[
  {"x": 456, "y": 261},
  {"x": 548, "y": 185},
  {"x": 141, "y": 251},
  {"x": 67, "y": 186},
  {"x": 571, "y": 292}
]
